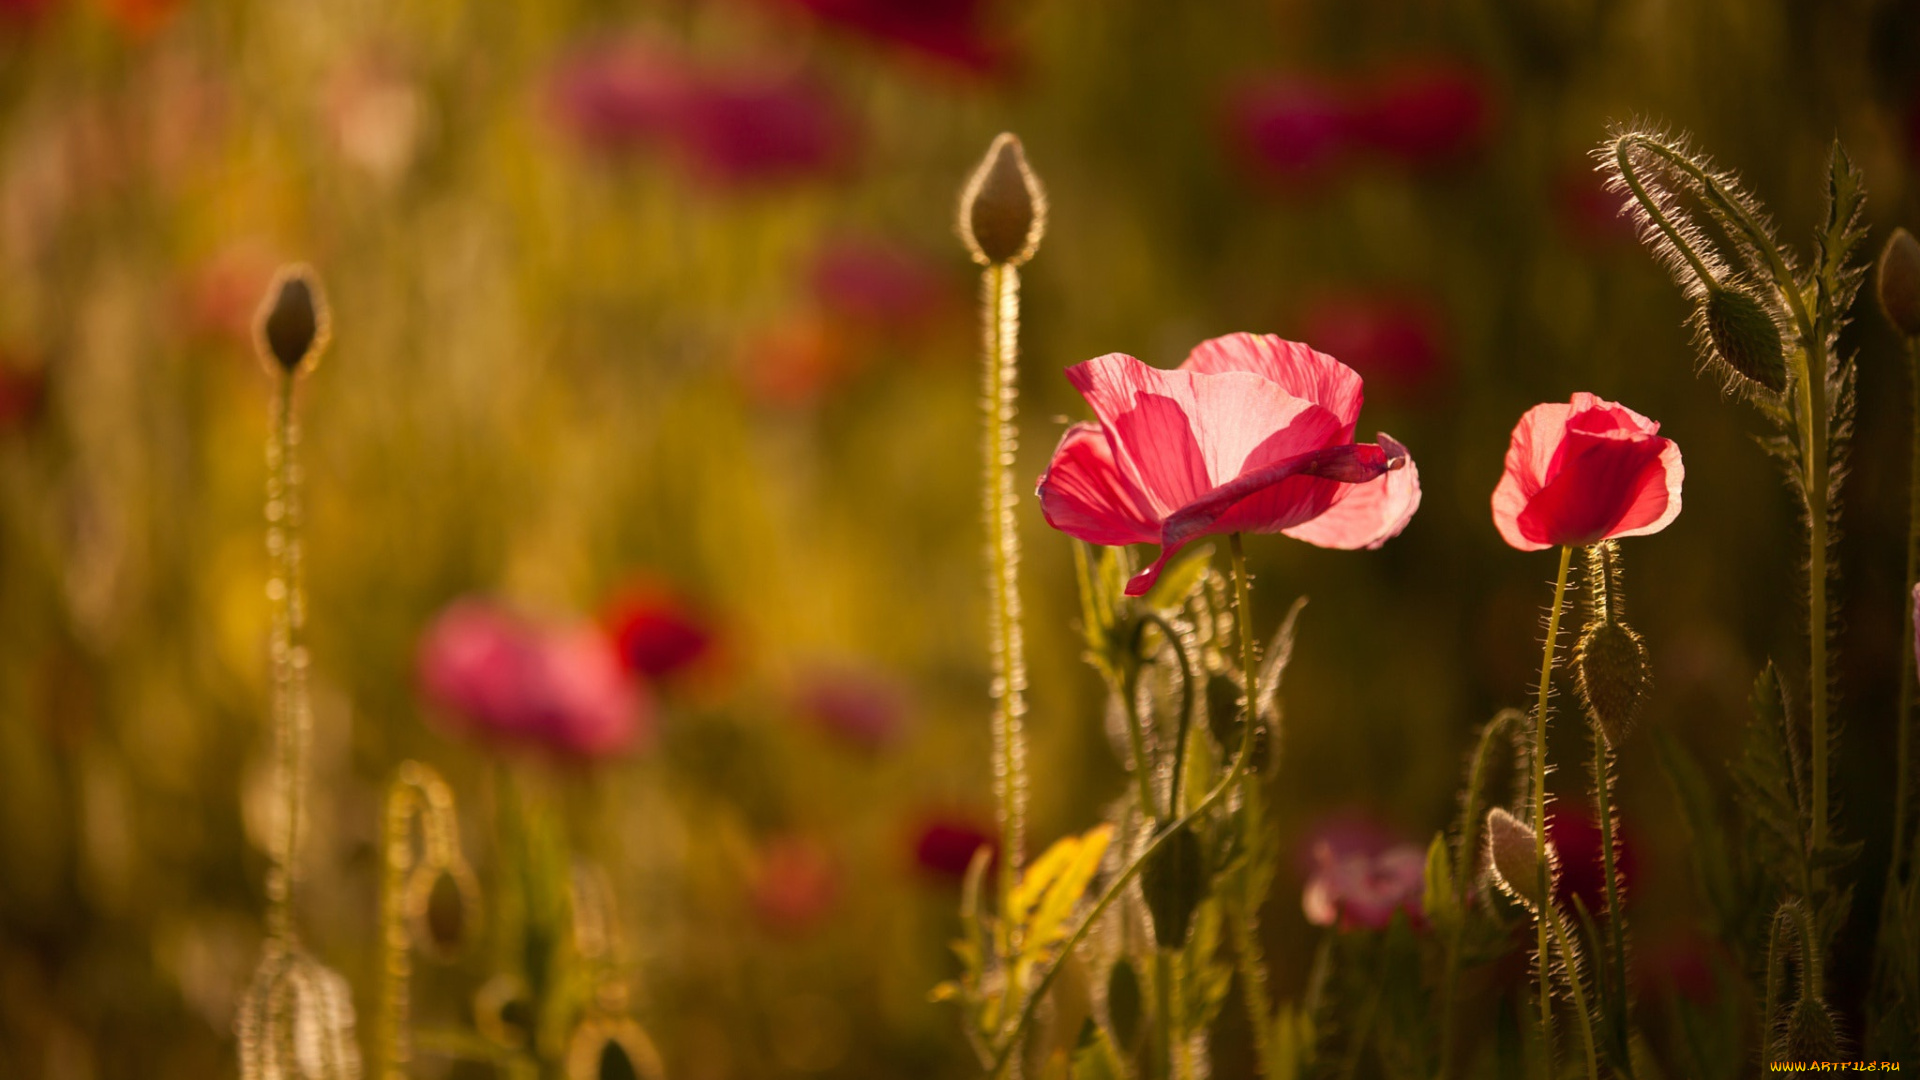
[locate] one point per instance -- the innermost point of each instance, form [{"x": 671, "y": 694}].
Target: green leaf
[
  {"x": 1051, "y": 887},
  {"x": 1279, "y": 654},
  {"x": 1768, "y": 779},
  {"x": 1179, "y": 580},
  {"x": 1438, "y": 897},
  {"x": 1840, "y": 233},
  {"x": 1094, "y": 1057}
]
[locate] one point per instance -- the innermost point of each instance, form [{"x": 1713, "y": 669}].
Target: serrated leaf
[
  {"x": 1840, "y": 233},
  {"x": 1438, "y": 896},
  {"x": 1207, "y": 976},
  {"x": 1179, "y": 580},
  {"x": 1768, "y": 777},
  {"x": 1048, "y": 891},
  {"x": 1279, "y": 654}
]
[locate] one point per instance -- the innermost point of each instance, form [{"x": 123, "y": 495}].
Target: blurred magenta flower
[
  {"x": 861, "y": 709},
  {"x": 1425, "y": 112},
  {"x": 657, "y": 632},
  {"x": 876, "y": 285},
  {"x": 943, "y": 844},
  {"x": 1581, "y": 871},
  {"x": 1583, "y": 472},
  {"x": 505, "y": 679},
  {"x": 1393, "y": 338},
  {"x": 1589, "y": 213},
  {"x": 1361, "y": 887},
  {"x": 1291, "y": 128},
  {"x": 1252, "y": 433},
  {"x": 737, "y": 127},
  {"x": 951, "y": 32},
  {"x": 795, "y": 884}
]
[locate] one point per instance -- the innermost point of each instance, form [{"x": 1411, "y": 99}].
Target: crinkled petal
[
  {"x": 1301, "y": 370},
  {"x": 1084, "y": 494},
  {"x": 1599, "y": 482},
  {"x": 1365, "y": 515}
]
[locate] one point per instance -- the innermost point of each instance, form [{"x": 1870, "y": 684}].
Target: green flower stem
[
  {"x": 1573, "y": 981},
  {"x": 1545, "y": 884},
  {"x": 1136, "y": 740},
  {"x": 1903, "y": 752},
  {"x": 1470, "y": 813},
  {"x": 1616, "y": 915},
  {"x": 1253, "y": 986},
  {"x": 1001, "y": 305},
  {"x": 1624, "y": 162},
  {"x": 1003, "y": 1053},
  {"x": 1179, "y": 646}
]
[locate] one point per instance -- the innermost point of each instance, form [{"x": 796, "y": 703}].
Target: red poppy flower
[
  {"x": 1291, "y": 128},
  {"x": 1426, "y": 113},
  {"x": 657, "y": 633},
  {"x": 503, "y": 678},
  {"x": 1583, "y": 472},
  {"x": 1252, "y": 433},
  {"x": 1575, "y": 838},
  {"x": 23, "y": 390},
  {"x": 944, "y": 847},
  {"x": 951, "y": 32}
]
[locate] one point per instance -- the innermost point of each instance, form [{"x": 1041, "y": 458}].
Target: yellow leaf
[{"x": 1079, "y": 859}]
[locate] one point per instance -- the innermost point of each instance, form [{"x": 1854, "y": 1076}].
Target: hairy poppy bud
[
  {"x": 1174, "y": 882},
  {"x": 1898, "y": 282},
  {"x": 443, "y": 907},
  {"x": 1003, "y": 210},
  {"x": 1123, "y": 1002},
  {"x": 1514, "y": 859},
  {"x": 1810, "y": 1034},
  {"x": 293, "y": 324},
  {"x": 1745, "y": 336},
  {"x": 1613, "y": 674}
]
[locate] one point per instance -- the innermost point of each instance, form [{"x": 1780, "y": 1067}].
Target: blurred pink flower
[
  {"x": 951, "y": 32},
  {"x": 943, "y": 845},
  {"x": 1575, "y": 837},
  {"x": 502, "y": 678},
  {"x": 1291, "y": 128},
  {"x": 1394, "y": 339},
  {"x": 223, "y": 291},
  {"x": 795, "y": 884},
  {"x": 1250, "y": 434},
  {"x": 1586, "y": 471},
  {"x": 657, "y": 632},
  {"x": 1362, "y": 886},
  {"x": 861, "y": 709},
  {"x": 876, "y": 285},
  {"x": 735, "y": 127},
  {"x": 1426, "y": 112}
]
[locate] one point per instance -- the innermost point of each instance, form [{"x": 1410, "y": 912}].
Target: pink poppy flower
[
  {"x": 1291, "y": 128},
  {"x": 1357, "y": 888},
  {"x": 502, "y": 678},
  {"x": 1396, "y": 339},
  {"x": 951, "y": 32},
  {"x": 1252, "y": 433},
  {"x": 620, "y": 94},
  {"x": 656, "y": 631},
  {"x": 1583, "y": 472},
  {"x": 858, "y": 708},
  {"x": 944, "y": 846},
  {"x": 878, "y": 286},
  {"x": 1426, "y": 113},
  {"x": 795, "y": 884}
]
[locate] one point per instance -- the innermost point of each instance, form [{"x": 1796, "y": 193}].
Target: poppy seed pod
[
  {"x": 1612, "y": 673},
  {"x": 293, "y": 324},
  {"x": 1897, "y": 280},
  {"x": 1514, "y": 859},
  {"x": 1003, "y": 210},
  {"x": 1745, "y": 336},
  {"x": 1174, "y": 881}
]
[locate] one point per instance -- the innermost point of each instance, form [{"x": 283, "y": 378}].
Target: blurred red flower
[
  {"x": 1395, "y": 339},
  {"x": 1575, "y": 837},
  {"x": 795, "y": 884},
  {"x": 943, "y": 846},
  {"x": 23, "y": 390},
  {"x": 1590, "y": 213},
  {"x": 878, "y": 286},
  {"x": 1361, "y": 887},
  {"x": 656, "y": 631},
  {"x": 1425, "y": 112},
  {"x": 1583, "y": 472},
  {"x": 1250, "y": 434},
  {"x": 951, "y": 32},
  {"x": 861, "y": 709},
  {"x": 505, "y": 679},
  {"x": 24, "y": 13},
  {"x": 796, "y": 363},
  {"x": 1291, "y": 128},
  {"x": 735, "y": 127}
]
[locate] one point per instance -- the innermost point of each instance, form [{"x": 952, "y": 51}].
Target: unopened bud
[
  {"x": 1898, "y": 282},
  {"x": 1124, "y": 1002},
  {"x": 1745, "y": 336},
  {"x": 1810, "y": 1033},
  {"x": 1613, "y": 674},
  {"x": 292, "y": 326},
  {"x": 1514, "y": 858},
  {"x": 1173, "y": 882},
  {"x": 1003, "y": 210}
]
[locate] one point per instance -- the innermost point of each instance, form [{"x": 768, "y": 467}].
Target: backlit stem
[
  {"x": 290, "y": 710},
  {"x": 1545, "y": 884},
  {"x": 1001, "y": 311}
]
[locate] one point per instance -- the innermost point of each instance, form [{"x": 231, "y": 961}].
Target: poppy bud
[
  {"x": 1898, "y": 282},
  {"x": 1123, "y": 1002},
  {"x": 1513, "y": 857},
  {"x": 1174, "y": 882},
  {"x": 1810, "y": 1034},
  {"x": 1612, "y": 673},
  {"x": 293, "y": 323},
  {"x": 1003, "y": 210},
  {"x": 443, "y": 905},
  {"x": 1745, "y": 336}
]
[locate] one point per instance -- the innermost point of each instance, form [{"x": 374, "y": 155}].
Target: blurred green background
[{"x": 589, "y": 330}]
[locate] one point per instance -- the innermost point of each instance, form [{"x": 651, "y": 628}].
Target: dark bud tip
[
  {"x": 1124, "y": 1003},
  {"x": 1003, "y": 210},
  {"x": 1174, "y": 881},
  {"x": 1898, "y": 282},
  {"x": 1746, "y": 337},
  {"x": 292, "y": 327},
  {"x": 1613, "y": 674}
]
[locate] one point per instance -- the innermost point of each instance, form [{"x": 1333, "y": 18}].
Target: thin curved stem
[
  {"x": 1136, "y": 739},
  {"x": 1186, "y": 705},
  {"x": 1624, "y": 162},
  {"x": 1545, "y": 884},
  {"x": 1579, "y": 992}
]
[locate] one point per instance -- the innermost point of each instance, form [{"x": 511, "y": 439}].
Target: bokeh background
[{"x": 662, "y": 300}]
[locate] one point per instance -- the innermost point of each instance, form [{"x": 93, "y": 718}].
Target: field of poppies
[{"x": 845, "y": 538}]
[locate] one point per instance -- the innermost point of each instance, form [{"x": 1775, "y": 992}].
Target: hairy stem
[
  {"x": 1616, "y": 915},
  {"x": 1253, "y": 986},
  {"x": 1624, "y": 161},
  {"x": 1179, "y": 646},
  {"x": 1572, "y": 960},
  {"x": 1468, "y": 849},
  {"x": 290, "y": 710},
  {"x": 1001, "y": 316},
  {"x": 1545, "y": 884},
  {"x": 1136, "y": 741}
]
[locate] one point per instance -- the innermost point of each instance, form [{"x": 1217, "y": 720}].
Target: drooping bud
[
  {"x": 1612, "y": 673},
  {"x": 293, "y": 324},
  {"x": 1174, "y": 881},
  {"x": 1745, "y": 336},
  {"x": 1514, "y": 859},
  {"x": 1124, "y": 1002},
  {"x": 1003, "y": 209},
  {"x": 1898, "y": 282}
]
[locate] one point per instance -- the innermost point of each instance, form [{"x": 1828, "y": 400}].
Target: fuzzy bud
[
  {"x": 1613, "y": 674},
  {"x": 1173, "y": 882},
  {"x": 1003, "y": 210},
  {"x": 1745, "y": 336},
  {"x": 1809, "y": 1034},
  {"x": 1513, "y": 858},
  {"x": 1898, "y": 282},
  {"x": 293, "y": 324}
]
